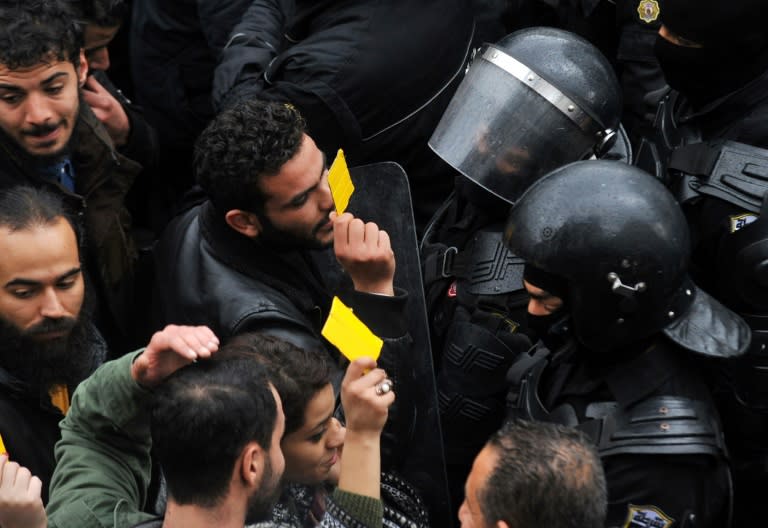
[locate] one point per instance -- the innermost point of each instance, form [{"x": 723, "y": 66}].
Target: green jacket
[{"x": 103, "y": 463}]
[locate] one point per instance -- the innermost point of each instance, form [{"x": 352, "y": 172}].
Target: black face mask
[
  {"x": 550, "y": 329},
  {"x": 489, "y": 203},
  {"x": 704, "y": 74}
]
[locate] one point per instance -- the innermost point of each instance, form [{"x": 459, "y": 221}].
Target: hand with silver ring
[
  {"x": 366, "y": 394},
  {"x": 384, "y": 386}
]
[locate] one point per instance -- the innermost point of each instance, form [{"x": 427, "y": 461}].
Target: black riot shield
[{"x": 382, "y": 196}]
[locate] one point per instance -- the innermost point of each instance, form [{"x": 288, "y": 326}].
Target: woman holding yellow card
[{"x": 316, "y": 444}]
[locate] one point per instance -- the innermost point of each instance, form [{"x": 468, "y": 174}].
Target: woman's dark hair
[{"x": 297, "y": 374}]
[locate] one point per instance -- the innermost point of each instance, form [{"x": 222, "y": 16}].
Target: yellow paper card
[
  {"x": 340, "y": 182},
  {"x": 59, "y": 397},
  {"x": 349, "y": 334},
  {"x": 3, "y": 451}
]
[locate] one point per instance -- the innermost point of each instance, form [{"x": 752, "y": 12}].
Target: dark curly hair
[
  {"x": 296, "y": 373},
  {"x": 242, "y": 144},
  {"x": 36, "y": 31}
]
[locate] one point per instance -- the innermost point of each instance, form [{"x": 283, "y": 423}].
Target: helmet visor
[{"x": 504, "y": 133}]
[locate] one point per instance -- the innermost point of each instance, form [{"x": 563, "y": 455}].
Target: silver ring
[{"x": 384, "y": 386}]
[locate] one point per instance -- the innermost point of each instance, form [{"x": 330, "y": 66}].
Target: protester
[
  {"x": 371, "y": 78},
  {"x": 223, "y": 414},
  {"x": 48, "y": 343},
  {"x": 535, "y": 474},
  {"x": 315, "y": 439}
]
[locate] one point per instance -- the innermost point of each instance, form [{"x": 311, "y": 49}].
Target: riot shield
[{"x": 382, "y": 196}]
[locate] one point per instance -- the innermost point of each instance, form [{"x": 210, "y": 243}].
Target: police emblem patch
[
  {"x": 742, "y": 220},
  {"x": 647, "y": 517},
  {"x": 648, "y": 10}
]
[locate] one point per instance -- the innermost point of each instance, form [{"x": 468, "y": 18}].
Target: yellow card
[
  {"x": 340, "y": 182},
  {"x": 349, "y": 334},
  {"x": 3, "y": 451},
  {"x": 59, "y": 397}
]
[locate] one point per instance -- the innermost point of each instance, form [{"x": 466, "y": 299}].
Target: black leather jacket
[
  {"x": 212, "y": 275},
  {"x": 174, "y": 46}
]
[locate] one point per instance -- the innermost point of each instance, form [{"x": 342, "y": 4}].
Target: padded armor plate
[{"x": 665, "y": 425}]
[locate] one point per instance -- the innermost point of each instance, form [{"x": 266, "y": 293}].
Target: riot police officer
[
  {"x": 709, "y": 146},
  {"x": 537, "y": 99},
  {"x": 633, "y": 377}
]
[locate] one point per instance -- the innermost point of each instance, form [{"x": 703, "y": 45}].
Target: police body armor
[
  {"x": 660, "y": 425},
  {"x": 737, "y": 174},
  {"x": 538, "y": 98},
  {"x": 477, "y": 303}
]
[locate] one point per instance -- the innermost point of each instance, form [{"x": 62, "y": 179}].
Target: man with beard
[
  {"x": 47, "y": 342},
  {"x": 49, "y": 139},
  {"x": 257, "y": 255},
  {"x": 266, "y": 253}
]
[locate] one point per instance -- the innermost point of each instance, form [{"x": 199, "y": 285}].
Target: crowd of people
[{"x": 556, "y": 236}]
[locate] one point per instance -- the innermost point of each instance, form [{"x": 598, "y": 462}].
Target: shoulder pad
[
  {"x": 492, "y": 269},
  {"x": 668, "y": 425},
  {"x": 728, "y": 170}
]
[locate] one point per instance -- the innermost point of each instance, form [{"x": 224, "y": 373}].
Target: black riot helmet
[
  {"x": 539, "y": 98},
  {"x": 620, "y": 239}
]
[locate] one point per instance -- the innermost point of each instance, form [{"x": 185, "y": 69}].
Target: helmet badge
[{"x": 648, "y": 10}]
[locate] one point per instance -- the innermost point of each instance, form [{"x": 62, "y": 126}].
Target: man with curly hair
[
  {"x": 49, "y": 139},
  {"x": 257, "y": 255}
]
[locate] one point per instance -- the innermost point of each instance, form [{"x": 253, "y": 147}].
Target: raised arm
[{"x": 103, "y": 457}]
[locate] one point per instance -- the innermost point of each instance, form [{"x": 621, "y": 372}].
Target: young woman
[{"x": 315, "y": 439}]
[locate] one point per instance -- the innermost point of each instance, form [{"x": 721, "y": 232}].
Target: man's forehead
[
  {"x": 55, "y": 243},
  {"x": 37, "y": 72}
]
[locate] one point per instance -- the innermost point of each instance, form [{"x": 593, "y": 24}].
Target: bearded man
[{"x": 48, "y": 344}]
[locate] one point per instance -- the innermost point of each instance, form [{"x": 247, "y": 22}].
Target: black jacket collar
[{"x": 293, "y": 272}]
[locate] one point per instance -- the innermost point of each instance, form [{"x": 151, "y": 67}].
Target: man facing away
[{"x": 535, "y": 474}]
